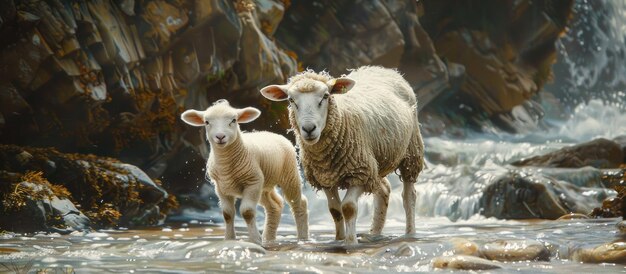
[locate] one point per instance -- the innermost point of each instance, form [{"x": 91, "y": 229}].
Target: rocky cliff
[{"x": 110, "y": 77}]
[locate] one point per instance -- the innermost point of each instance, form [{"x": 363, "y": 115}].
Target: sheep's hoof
[{"x": 351, "y": 241}]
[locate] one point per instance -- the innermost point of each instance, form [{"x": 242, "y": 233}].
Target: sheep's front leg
[
  {"x": 227, "y": 203},
  {"x": 249, "y": 201},
  {"x": 349, "y": 208},
  {"x": 381, "y": 201},
  {"x": 273, "y": 204},
  {"x": 409, "y": 197},
  {"x": 334, "y": 205}
]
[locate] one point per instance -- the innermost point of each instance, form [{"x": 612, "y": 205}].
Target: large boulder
[
  {"x": 598, "y": 153},
  {"x": 75, "y": 191},
  {"x": 520, "y": 195}
]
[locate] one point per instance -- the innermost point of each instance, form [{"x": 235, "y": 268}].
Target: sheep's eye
[
  {"x": 206, "y": 122},
  {"x": 323, "y": 98},
  {"x": 233, "y": 121},
  {"x": 292, "y": 101}
]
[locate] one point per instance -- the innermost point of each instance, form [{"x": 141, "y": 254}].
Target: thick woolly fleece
[{"x": 370, "y": 131}]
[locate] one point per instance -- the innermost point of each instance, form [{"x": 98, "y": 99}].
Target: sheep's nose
[
  {"x": 220, "y": 136},
  {"x": 309, "y": 128}
]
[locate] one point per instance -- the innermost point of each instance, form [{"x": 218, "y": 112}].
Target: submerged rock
[
  {"x": 605, "y": 253},
  {"x": 465, "y": 247},
  {"x": 599, "y": 153},
  {"x": 573, "y": 216},
  {"x": 515, "y": 250},
  {"x": 463, "y": 262}
]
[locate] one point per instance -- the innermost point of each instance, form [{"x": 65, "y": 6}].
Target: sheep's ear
[
  {"x": 193, "y": 117},
  {"x": 247, "y": 115},
  {"x": 275, "y": 92},
  {"x": 340, "y": 85}
]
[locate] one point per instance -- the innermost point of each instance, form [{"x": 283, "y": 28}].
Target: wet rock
[
  {"x": 34, "y": 206},
  {"x": 497, "y": 76},
  {"x": 605, "y": 253},
  {"x": 462, "y": 262},
  {"x": 599, "y": 153},
  {"x": 573, "y": 216},
  {"x": 621, "y": 140},
  {"x": 465, "y": 247},
  {"x": 346, "y": 34},
  {"x": 519, "y": 195},
  {"x": 621, "y": 226},
  {"x": 78, "y": 187},
  {"x": 612, "y": 206},
  {"x": 515, "y": 250}
]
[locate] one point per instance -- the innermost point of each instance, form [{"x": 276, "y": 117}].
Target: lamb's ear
[
  {"x": 193, "y": 117},
  {"x": 247, "y": 115},
  {"x": 275, "y": 92},
  {"x": 340, "y": 85}
]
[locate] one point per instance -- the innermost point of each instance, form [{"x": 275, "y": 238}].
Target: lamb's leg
[
  {"x": 349, "y": 208},
  {"x": 227, "y": 203},
  {"x": 249, "y": 201},
  {"x": 273, "y": 204},
  {"x": 381, "y": 201},
  {"x": 334, "y": 205},
  {"x": 299, "y": 209},
  {"x": 409, "y": 197}
]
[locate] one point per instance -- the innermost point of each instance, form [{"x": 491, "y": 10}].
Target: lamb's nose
[
  {"x": 220, "y": 136},
  {"x": 309, "y": 128}
]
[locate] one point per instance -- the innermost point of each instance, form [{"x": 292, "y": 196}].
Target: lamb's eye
[
  {"x": 206, "y": 123},
  {"x": 233, "y": 121},
  {"x": 325, "y": 95}
]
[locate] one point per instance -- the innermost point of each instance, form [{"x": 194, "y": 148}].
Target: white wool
[
  {"x": 250, "y": 167},
  {"x": 370, "y": 130}
]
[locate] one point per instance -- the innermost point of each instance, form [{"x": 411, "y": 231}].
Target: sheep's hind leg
[
  {"x": 228, "y": 211},
  {"x": 381, "y": 201},
  {"x": 273, "y": 204},
  {"x": 334, "y": 206},
  {"x": 409, "y": 197},
  {"x": 349, "y": 208},
  {"x": 249, "y": 201}
]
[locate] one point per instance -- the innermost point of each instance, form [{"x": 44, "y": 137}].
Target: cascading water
[{"x": 458, "y": 189}]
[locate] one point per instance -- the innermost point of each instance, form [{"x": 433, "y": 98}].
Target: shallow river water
[
  {"x": 199, "y": 248},
  {"x": 448, "y": 221}
]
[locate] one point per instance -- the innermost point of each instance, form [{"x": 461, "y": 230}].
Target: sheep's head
[
  {"x": 308, "y": 95},
  {"x": 221, "y": 121}
]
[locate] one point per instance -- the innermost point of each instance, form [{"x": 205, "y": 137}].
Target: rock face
[
  {"x": 64, "y": 192},
  {"x": 111, "y": 77},
  {"x": 507, "y": 49},
  {"x": 599, "y": 153}
]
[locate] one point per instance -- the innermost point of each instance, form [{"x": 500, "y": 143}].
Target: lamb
[
  {"x": 248, "y": 165},
  {"x": 352, "y": 140}
]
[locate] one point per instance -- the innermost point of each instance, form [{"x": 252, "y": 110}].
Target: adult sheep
[
  {"x": 352, "y": 132},
  {"x": 248, "y": 165}
]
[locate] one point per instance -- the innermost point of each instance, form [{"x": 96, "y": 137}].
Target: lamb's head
[
  {"x": 221, "y": 121},
  {"x": 308, "y": 94}
]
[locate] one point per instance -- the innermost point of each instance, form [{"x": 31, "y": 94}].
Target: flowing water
[{"x": 448, "y": 208}]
